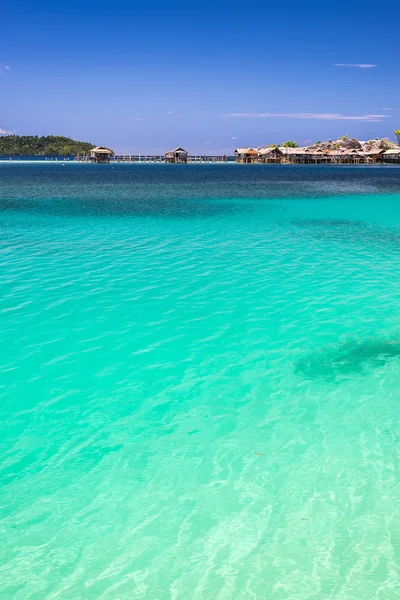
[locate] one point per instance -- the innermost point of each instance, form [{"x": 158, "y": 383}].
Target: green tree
[
  {"x": 397, "y": 134},
  {"x": 290, "y": 145}
]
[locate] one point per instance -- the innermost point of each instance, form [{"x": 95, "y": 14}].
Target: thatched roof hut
[
  {"x": 291, "y": 151},
  {"x": 352, "y": 152},
  {"x": 374, "y": 155},
  {"x": 393, "y": 151},
  {"x": 100, "y": 154},
  {"x": 392, "y": 155},
  {"x": 246, "y": 155},
  {"x": 295, "y": 155},
  {"x": 177, "y": 155},
  {"x": 270, "y": 155}
]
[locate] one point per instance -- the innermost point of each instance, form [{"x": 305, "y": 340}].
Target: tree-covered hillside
[{"x": 34, "y": 145}]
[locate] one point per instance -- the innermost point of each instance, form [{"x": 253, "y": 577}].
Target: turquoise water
[{"x": 200, "y": 382}]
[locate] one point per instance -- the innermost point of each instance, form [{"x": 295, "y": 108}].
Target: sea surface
[
  {"x": 200, "y": 382},
  {"x": 22, "y": 158}
]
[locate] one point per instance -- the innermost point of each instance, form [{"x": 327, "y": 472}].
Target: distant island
[{"x": 33, "y": 145}]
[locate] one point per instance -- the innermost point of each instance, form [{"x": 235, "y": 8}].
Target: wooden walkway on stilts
[{"x": 140, "y": 158}]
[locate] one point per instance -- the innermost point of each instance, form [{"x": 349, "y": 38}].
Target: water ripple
[{"x": 203, "y": 404}]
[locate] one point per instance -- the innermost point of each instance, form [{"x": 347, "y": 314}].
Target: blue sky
[{"x": 210, "y": 76}]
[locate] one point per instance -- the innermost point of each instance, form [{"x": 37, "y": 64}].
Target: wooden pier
[
  {"x": 142, "y": 159},
  {"x": 138, "y": 158}
]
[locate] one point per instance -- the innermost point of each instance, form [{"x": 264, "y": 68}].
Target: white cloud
[
  {"x": 138, "y": 119},
  {"x": 4, "y": 69},
  {"x": 356, "y": 65},
  {"x": 234, "y": 138},
  {"x": 320, "y": 116},
  {"x": 170, "y": 113},
  {"x": 5, "y": 132}
]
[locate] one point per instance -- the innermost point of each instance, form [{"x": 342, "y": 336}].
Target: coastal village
[{"x": 344, "y": 150}]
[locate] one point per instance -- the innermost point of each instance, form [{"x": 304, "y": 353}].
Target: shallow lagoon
[{"x": 199, "y": 381}]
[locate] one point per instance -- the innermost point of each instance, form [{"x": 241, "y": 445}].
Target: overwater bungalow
[
  {"x": 318, "y": 155},
  {"x": 293, "y": 155},
  {"x": 392, "y": 155},
  {"x": 178, "y": 155},
  {"x": 100, "y": 154},
  {"x": 374, "y": 156},
  {"x": 305, "y": 155},
  {"x": 270, "y": 155},
  {"x": 246, "y": 155},
  {"x": 351, "y": 156}
]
